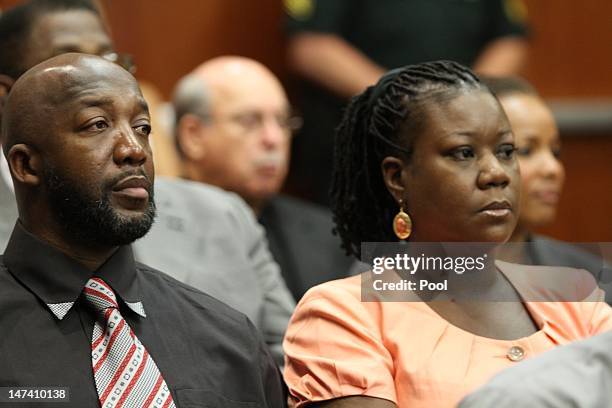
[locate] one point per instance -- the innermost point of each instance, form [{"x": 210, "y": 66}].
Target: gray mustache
[{"x": 271, "y": 159}]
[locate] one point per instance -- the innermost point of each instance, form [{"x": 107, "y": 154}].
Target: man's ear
[
  {"x": 25, "y": 164},
  {"x": 6, "y": 82},
  {"x": 393, "y": 169},
  {"x": 190, "y": 136}
]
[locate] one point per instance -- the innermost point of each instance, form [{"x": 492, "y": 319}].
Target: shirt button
[{"x": 516, "y": 353}]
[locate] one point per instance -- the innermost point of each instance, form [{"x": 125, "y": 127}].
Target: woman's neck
[{"x": 515, "y": 253}]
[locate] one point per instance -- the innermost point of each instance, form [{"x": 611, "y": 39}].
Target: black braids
[
  {"x": 446, "y": 71},
  {"x": 356, "y": 180},
  {"x": 350, "y": 181},
  {"x": 339, "y": 191},
  {"x": 385, "y": 115},
  {"x": 369, "y": 131}
]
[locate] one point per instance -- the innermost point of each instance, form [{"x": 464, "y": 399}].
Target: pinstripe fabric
[{"x": 124, "y": 372}]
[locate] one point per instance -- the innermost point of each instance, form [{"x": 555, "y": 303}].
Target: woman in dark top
[{"x": 538, "y": 153}]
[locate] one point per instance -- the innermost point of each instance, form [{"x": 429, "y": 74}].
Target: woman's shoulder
[
  {"x": 352, "y": 304},
  {"x": 346, "y": 288}
]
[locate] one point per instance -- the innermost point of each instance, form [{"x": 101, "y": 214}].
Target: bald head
[
  {"x": 218, "y": 78},
  {"x": 234, "y": 127},
  {"x": 36, "y": 96},
  {"x": 76, "y": 129},
  {"x": 233, "y": 71}
]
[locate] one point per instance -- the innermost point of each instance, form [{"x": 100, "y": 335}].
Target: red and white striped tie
[{"x": 125, "y": 373}]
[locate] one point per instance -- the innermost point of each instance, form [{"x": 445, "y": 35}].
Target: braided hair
[{"x": 370, "y": 131}]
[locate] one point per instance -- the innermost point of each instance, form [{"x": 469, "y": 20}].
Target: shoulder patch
[{"x": 299, "y": 9}]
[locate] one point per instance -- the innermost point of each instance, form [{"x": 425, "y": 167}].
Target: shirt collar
[{"x": 58, "y": 280}]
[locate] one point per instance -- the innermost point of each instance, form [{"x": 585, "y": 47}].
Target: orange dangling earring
[{"x": 402, "y": 224}]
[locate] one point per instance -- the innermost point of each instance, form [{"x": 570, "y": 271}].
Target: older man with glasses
[{"x": 233, "y": 129}]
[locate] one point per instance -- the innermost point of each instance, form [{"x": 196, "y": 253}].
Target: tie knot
[{"x": 99, "y": 295}]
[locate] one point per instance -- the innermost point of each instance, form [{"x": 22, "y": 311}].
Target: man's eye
[
  {"x": 143, "y": 129},
  {"x": 462, "y": 153},
  {"x": 506, "y": 151},
  {"x": 98, "y": 125}
]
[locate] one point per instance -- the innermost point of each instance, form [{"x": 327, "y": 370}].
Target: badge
[
  {"x": 299, "y": 9},
  {"x": 516, "y": 10}
]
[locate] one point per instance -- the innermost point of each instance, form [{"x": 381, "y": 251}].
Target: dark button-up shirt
[{"x": 209, "y": 354}]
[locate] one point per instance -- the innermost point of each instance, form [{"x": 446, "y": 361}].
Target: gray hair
[{"x": 191, "y": 96}]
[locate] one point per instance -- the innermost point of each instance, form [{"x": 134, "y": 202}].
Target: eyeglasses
[
  {"x": 125, "y": 61},
  {"x": 250, "y": 122}
]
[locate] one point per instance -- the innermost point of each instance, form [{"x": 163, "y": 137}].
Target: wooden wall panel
[
  {"x": 571, "y": 56},
  {"x": 585, "y": 211},
  {"x": 4, "y": 4},
  {"x": 169, "y": 39},
  {"x": 571, "y": 53},
  {"x": 571, "y": 47}
]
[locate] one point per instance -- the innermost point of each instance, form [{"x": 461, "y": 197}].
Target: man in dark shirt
[
  {"x": 202, "y": 236},
  {"x": 75, "y": 134}
]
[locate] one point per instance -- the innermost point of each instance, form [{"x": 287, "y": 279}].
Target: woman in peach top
[{"x": 431, "y": 140}]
